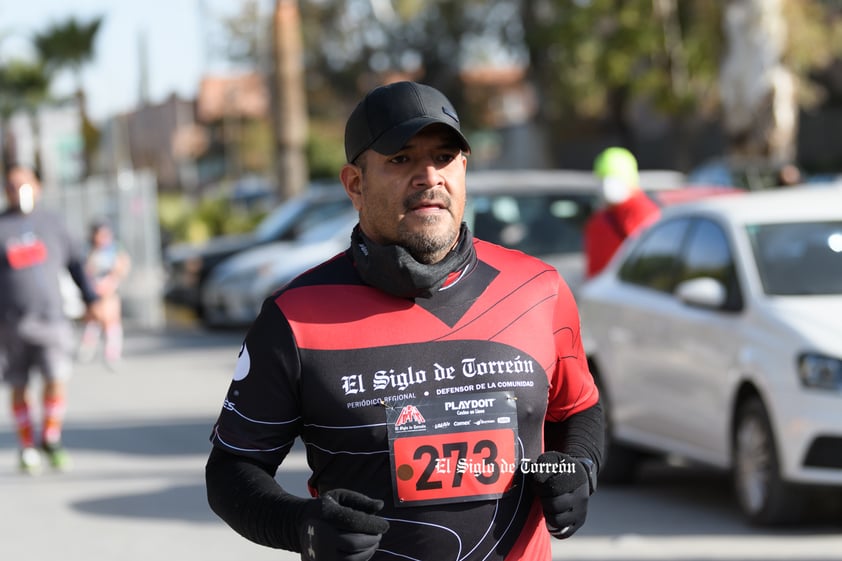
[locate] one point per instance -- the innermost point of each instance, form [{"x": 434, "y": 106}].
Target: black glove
[
  {"x": 341, "y": 526},
  {"x": 563, "y": 487}
]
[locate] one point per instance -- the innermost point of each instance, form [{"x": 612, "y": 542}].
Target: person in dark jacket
[{"x": 34, "y": 332}]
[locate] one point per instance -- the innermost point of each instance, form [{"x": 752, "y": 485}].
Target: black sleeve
[
  {"x": 581, "y": 435},
  {"x": 74, "y": 260},
  {"x": 244, "y": 493},
  {"x": 77, "y": 273}
]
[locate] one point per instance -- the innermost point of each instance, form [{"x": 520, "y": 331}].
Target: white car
[{"x": 716, "y": 335}]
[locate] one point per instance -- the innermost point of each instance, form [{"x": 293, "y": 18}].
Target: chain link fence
[{"x": 129, "y": 202}]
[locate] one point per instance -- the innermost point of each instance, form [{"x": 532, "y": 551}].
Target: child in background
[{"x": 107, "y": 265}]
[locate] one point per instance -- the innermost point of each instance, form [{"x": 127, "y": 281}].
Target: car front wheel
[{"x": 763, "y": 496}]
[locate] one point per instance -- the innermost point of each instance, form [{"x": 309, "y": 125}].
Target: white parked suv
[{"x": 716, "y": 335}]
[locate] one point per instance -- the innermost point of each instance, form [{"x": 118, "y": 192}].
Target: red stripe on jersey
[
  {"x": 515, "y": 308},
  {"x": 533, "y": 543}
]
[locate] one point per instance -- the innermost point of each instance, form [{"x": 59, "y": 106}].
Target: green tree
[
  {"x": 244, "y": 36},
  {"x": 596, "y": 66},
  {"x": 594, "y": 62},
  {"x": 70, "y": 45}
]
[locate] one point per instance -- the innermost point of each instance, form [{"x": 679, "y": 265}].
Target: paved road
[{"x": 139, "y": 441}]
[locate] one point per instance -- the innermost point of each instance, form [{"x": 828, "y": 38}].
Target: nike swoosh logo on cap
[{"x": 449, "y": 114}]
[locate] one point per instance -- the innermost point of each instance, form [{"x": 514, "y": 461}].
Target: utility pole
[
  {"x": 143, "y": 63},
  {"x": 289, "y": 101}
]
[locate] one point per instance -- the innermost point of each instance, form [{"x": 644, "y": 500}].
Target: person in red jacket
[{"x": 627, "y": 208}]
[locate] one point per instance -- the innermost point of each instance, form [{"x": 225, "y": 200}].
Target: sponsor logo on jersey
[
  {"x": 410, "y": 414},
  {"x": 468, "y": 404},
  {"x": 241, "y": 370}
]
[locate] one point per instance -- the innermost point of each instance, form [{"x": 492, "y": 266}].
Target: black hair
[{"x": 97, "y": 225}]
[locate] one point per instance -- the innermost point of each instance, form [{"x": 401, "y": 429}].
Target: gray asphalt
[{"x": 139, "y": 439}]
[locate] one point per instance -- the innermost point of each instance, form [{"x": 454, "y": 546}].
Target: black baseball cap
[{"x": 388, "y": 116}]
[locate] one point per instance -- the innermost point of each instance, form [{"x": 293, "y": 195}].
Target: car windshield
[
  {"x": 798, "y": 258},
  {"x": 537, "y": 224}
]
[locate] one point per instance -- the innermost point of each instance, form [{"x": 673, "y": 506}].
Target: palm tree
[
  {"x": 70, "y": 45},
  {"x": 23, "y": 85}
]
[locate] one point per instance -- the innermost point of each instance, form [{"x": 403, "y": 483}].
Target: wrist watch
[{"x": 590, "y": 470}]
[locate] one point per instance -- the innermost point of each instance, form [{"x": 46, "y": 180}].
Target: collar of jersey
[{"x": 393, "y": 270}]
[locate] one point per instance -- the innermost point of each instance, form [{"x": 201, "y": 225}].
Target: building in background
[
  {"x": 55, "y": 140},
  {"x": 235, "y": 113},
  {"x": 149, "y": 138}
]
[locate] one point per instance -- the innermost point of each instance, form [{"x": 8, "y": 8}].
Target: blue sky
[{"x": 174, "y": 34}]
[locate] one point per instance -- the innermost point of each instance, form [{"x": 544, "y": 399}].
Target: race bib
[{"x": 453, "y": 448}]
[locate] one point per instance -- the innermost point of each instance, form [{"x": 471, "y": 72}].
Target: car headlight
[{"x": 820, "y": 372}]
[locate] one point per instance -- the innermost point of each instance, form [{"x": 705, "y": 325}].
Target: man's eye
[{"x": 398, "y": 159}]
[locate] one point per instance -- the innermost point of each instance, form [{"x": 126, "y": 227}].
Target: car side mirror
[{"x": 704, "y": 292}]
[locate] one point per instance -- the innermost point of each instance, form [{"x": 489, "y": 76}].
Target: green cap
[{"x": 616, "y": 162}]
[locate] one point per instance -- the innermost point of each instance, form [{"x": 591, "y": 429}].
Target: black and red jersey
[{"x": 431, "y": 404}]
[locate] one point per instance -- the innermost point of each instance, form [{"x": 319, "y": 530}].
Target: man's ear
[{"x": 351, "y": 178}]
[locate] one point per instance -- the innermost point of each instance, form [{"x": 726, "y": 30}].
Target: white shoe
[{"x": 30, "y": 460}]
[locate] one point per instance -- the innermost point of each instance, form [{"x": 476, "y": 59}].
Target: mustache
[{"x": 426, "y": 197}]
